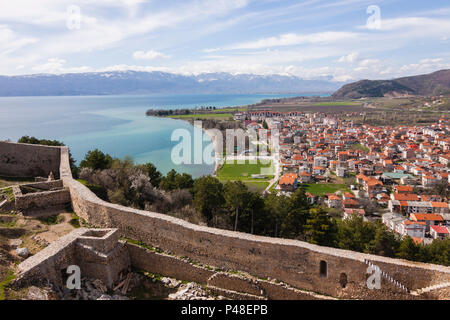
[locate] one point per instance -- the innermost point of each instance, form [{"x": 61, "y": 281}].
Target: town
[{"x": 396, "y": 174}]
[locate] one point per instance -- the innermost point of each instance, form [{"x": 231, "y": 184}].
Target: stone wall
[
  {"x": 222, "y": 283},
  {"x": 167, "y": 265},
  {"x": 99, "y": 257},
  {"x": 26, "y": 160},
  {"x": 298, "y": 264},
  {"x": 52, "y": 195},
  {"x": 293, "y": 262}
]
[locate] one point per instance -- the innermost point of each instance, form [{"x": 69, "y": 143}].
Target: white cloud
[
  {"x": 425, "y": 66},
  {"x": 431, "y": 61},
  {"x": 369, "y": 62},
  {"x": 125, "y": 67},
  {"x": 292, "y": 39},
  {"x": 149, "y": 55},
  {"x": 56, "y": 65},
  {"x": 351, "y": 57},
  {"x": 10, "y": 41}
]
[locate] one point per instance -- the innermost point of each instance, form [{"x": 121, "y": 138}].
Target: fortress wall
[
  {"x": 26, "y": 160},
  {"x": 40, "y": 200},
  {"x": 293, "y": 262},
  {"x": 167, "y": 265},
  {"x": 48, "y": 263}
]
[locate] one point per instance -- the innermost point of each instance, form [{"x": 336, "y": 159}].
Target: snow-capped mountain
[{"x": 133, "y": 82}]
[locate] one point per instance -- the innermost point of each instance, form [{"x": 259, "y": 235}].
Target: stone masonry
[
  {"x": 297, "y": 264},
  {"x": 98, "y": 253}
]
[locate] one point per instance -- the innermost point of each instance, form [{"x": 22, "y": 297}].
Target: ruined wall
[
  {"x": 40, "y": 200},
  {"x": 99, "y": 257},
  {"x": 167, "y": 265},
  {"x": 48, "y": 263},
  {"x": 294, "y": 262},
  {"x": 182, "y": 269},
  {"x": 26, "y": 160}
]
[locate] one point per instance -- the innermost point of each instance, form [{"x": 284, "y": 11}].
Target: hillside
[
  {"x": 131, "y": 82},
  {"x": 435, "y": 83}
]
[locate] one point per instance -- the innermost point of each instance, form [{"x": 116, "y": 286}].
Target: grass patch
[
  {"x": 231, "y": 170},
  {"x": 75, "y": 221},
  {"x": 337, "y": 104},
  {"x": 6, "y": 277},
  {"x": 213, "y": 115},
  {"x": 256, "y": 186},
  {"x": 360, "y": 147},
  {"x": 230, "y": 109},
  {"x": 144, "y": 245},
  {"x": 52, "y": 220},
  {"x": 8, "y": 193},
  {"x": 322, "y": 189},
  {"x": 9, "y": 224}
]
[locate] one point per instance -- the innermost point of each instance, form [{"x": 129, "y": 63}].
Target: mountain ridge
[
  {"x": 139, "y": 82},
  {"x": 435, "y": 83}
]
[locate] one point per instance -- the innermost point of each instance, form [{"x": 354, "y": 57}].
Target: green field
[
  {"x": 256, "y": 186},
  {"x": 230, "y": 109},
  {"x": 337, "y": 103},
  {"x": 360, "y": 147},
  {"x": 322, "y": 189},
  {"x": 214, "y": 115},
  {"x": 233, "y": 171}
]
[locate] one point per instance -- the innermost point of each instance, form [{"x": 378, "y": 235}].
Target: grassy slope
[
  {"x": 234, "y": 171},
  {"x": 322, "y": 189},
  {"x": 214, "y": 115}
]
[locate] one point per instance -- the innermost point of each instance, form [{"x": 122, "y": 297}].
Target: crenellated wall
[{"x": 294, "y": 262}]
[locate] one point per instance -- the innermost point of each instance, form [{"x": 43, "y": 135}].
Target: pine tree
[
  {"x": 408, "y": 249},
  {"x": 320, "y": 229}
]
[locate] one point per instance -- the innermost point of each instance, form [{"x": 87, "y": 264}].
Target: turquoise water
[{"x": 114, "y": 124}]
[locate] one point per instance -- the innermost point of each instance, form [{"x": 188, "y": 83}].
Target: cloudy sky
[{"x": 341, "y": 40}]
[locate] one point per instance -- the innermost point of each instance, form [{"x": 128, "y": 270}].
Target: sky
[{"x": 340, "y": 40}]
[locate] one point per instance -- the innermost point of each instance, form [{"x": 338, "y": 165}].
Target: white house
[
  {"x": 412, "y": 229},
  {"x": 439, "y": 232}
]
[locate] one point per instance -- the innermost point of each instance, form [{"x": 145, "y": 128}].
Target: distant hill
[
  {"x": 132, "y": 82},
  {"x": 435, "y": 83}
]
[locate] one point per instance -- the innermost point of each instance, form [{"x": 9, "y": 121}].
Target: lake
[{"x": 114, "y": 124}]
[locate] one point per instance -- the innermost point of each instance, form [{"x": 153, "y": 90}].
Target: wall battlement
[{"x": 298, "y": 264}]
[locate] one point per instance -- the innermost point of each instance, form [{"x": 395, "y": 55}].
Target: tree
[
  {"x": 236, "y": 197},
  {"x": 252, "y": 217},
  {"x": 441, "y": 188},
  {"x": 320, "y": 229},
  {"x": 265, "y": 126},
  {"x": 153, "y": 173},
  {"x": 385, "y": 243},
  {"x": 408, "y": 249},
  {"x": 208, "y": 196},
  {"x": 278, "y": 207},
  {"x": 437, "y": 252},
  {"x": 184, "y": 181},
  {"x": 355, "y": 234},
  {"x": 174, "y": 180},
  {"x": 96, "y": 160},
  {"x": 297, "y": 214}
]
